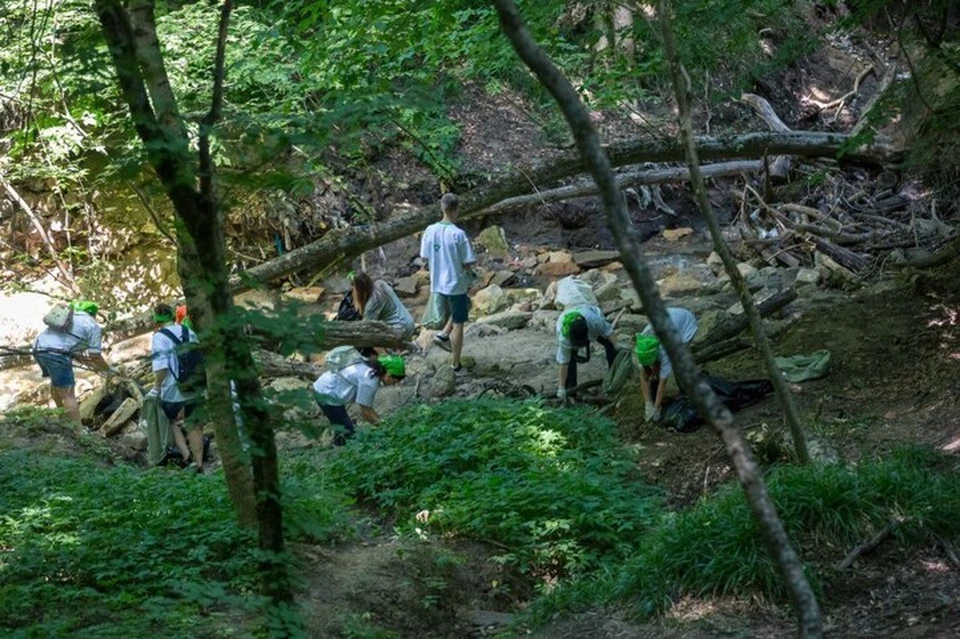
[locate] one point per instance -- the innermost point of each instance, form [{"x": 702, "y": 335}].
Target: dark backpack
[
  {"x": 348, "y": 311},
  {"x": 191, "y": 374}
]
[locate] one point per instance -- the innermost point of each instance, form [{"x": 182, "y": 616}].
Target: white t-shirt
[
  {"x": 686, "y": 325},
  {"x": 385, "y": 306},
  {"x": 84, "y": 335},
  {"x": 597, "y": 326},
  {"x": 446, "y": 248},
  {"x": 163, "y": 355},
  {"x": 355, "y": 383}
]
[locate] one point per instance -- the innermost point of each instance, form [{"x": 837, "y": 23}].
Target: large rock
[
  {"x": 594, "y": 259},
  {"x": 494, "y": 240},
  {"x": 500, "y": 278},
  {"x": 558, "y": 269},
  {"x": 339, "y": 284},
  {"x": 260, "y": 299},
  {"x": 88, "y": 406},
  {"x": 806, "y": 277},
  {"x": 745, "y": 269},
  {"x": 524, "y": 295},
  {"x": 304, "y": 294},
  {"x": 672, "y": 235},
  {"x": 631, "y": 323},
  {"x": 679, "y": 284},
  {"x": 407, "y": 286},
  {"x": 608, "y": 292},
  {"x": 443, "y": 383},
  {"x": 559, "y": 257},
  {"x": 137, "y": 440},
  {"x": 630, "y": 296},
  {"x": 707, "y": 321},
  {"x": 597, "y": 279},
  {"x": 120, "y": 416},
  {"x": 714, "y": 262},
  {"x": 549, "y": 299},
  {"x": 758, "y": 298},
  {"x": 510, "y": 320},
  {"x": 545, "y": 320},
  {"x": 490, "y": 300}
]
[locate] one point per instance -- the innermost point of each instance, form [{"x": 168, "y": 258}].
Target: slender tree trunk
[
  {"x": 715, "y": 413},
  {"x": 681, "y": 88}
]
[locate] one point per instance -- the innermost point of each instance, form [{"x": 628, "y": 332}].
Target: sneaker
[{"x": 443, "y": 341}]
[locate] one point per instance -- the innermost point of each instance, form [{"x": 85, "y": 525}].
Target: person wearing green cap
[
  {"x": 177, "y": 402},
  {"x": 356, "y": 383},
  {"x": 577, "y": 326},
  {"x": 655, "y": 364},
  {"x": 56, "y": 348}
]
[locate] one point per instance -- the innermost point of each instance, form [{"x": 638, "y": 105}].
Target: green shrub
[
  {"x": 551, "y": 486},
  {"x": 715, "y": 548}
]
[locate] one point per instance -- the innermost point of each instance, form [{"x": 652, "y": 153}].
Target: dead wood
[
  {"x": 868, "y": 546},
  {"x": 779, "y": 167},
  {"x": 842, "y": 256},
  {"x": 841, "y": 101},
  {"x": 735, "y": 324},
  {"x": 888, "y": 77},
  {"x": 274, "y": 365}
]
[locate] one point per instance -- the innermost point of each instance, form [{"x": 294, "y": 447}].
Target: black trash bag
[
  {"x": 347, "y": 311},
  {"x": 174, "y": 458},
  {"x": 682, "y": 415}
]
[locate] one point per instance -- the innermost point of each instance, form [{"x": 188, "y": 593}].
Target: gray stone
[
  {"x": 510, "y": 320},
  {"x": 806, "y": 276},
  {"x": 714, "y": 262},
  {"x": 480, "y": 330},
  {"x": 706, "y": 322},
  {"x": 407, "y": 286},
  {"x": 339, "y": 285},
  {"x": 490, "y": 300},
  {"x": 760, "y": 296},
  {"x": 494, "y": 240},
  {"x": 545, "y": 319},
  {"x": 631, "y": 323},
  {"x": 598, "y": 279},
  {"x": 593, "y": 259},
  {"x": 501, "y": 278},
  {"x": 629, "y": 295},
  {"x": 549, "y": 297},
  {"x": 608, "y": 292},
  {"x": 137, "y": 440},
  {"x": 559, "y": 257},
  {"x": 119, "y": 417},
  {"x": 524, "y": 295},
  {"x": 444, "y": 382},
  {"x": 745, "y": 269}
]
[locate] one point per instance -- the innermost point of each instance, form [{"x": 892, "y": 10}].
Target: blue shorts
[
  {"x": 458, "y": 305},
  {"x": 58, "y": 367}
]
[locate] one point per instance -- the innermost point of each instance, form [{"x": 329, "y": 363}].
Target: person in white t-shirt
[
  {"x": 449, "y": 255},
  {"x": 357, "y": 383},
  {"x": 177, "y": 403},
  {"x": 655, "y": 364},
  {"x": 55, "y": 350},
  {"x": 577, "y": 326}
]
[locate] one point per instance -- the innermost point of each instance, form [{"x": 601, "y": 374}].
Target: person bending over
[
  {"x": 655, "y": 364},
  {"x": 376, "y": 300},
  {"x": 357, "y": 383},
  {"x": 576, "y": 328}
]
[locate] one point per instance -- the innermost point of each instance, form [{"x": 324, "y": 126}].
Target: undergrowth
[
  {"x": 716, "y": 549},
  {"x": 88, "y": 549},
  {"x": 552, "y": 488}
]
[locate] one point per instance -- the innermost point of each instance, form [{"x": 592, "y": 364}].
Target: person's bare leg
[
  {"x": 70, "y": 404},
  {"x": 456, "y": 343},
  {"x": 448, "y": 329},
  {"x": 57, "y": 396},
  {"x": 179, "y": 440},
  {"x": 195, "y": 437}
]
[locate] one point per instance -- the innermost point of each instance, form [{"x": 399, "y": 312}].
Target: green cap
[
  {"x": 85, "y": 306},
  {"x": 567, "y": 322},
  {"x": 647, "y": 349},
  {"x": 394, "y": 365}
]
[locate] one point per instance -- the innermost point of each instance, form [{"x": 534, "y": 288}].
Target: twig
[
  {"x": 948, "y": 550},
  {"x": 44, "y": 236},
  {"x": 868, "y": 546},
  {"x": 846, "y": 96}
]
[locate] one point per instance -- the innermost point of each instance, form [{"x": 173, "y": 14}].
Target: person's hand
[
  {"x": 649, "y": 411},
  {"x": 561, "y": 393},
  {"x": 153, "y": 394}
]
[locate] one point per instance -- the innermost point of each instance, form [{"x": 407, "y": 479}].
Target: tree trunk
[
  {"x": 805, "y": 604},
  {"x": 631, "y": 252}
]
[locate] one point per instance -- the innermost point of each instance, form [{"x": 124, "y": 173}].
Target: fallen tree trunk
[
  {"x": 342, "y": 244},
  {"x": 779, "y": 166},
  {"x": 273, "y": 365},
  {"x": 736, "y": 324}
]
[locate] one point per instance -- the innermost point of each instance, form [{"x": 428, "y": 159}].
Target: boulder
[
  {"x": 759, "y": 297},
  {"x": 629, "y": 295},
  {"x": 120, "y": 416},
  {"x": 672, "y": 235},
  {"x": 481, "y": 330},
  {"x": 613, "y": 267},
  {"x": 304, "y": 294},
  {"x": 707, "y": 321},
  {"x": 490, "y": 300},
  {"x": 558, "y": 269},
  {"x": 549, "y": 297},
  {"x": 528, "y": 262},
  {"x": 714, "y": 262},
  {"x": 484, "y": 277},
  {"x": 594, "y": 259},
  {"x": 340, "y": 284},
  {"x": 136, "y": 439},
  {"x": 745, "y": 269},
  {"x": 806, "y": 277},
  {"x": 678, "y": 284},
  {"x": 423, "y": 276},
  {"x": 631, "y": 323},
  {"x": 597, "y": 279},
  {"x": 258, "y": 299},
  {"x": 88, "y": 406},
  {"x": 443, "y": 383},
  {"x": 524, "y": 295},
  {"x": 407, "y": 286},
  {"x": 545, "y": 319},
  {"x": 559, "y": 257},
  {"x": 510, "y": 319},
  {"x": 494, "y": 240},
  {"x": 502, "y": 277},
  {"x": 608, "y": 292}
]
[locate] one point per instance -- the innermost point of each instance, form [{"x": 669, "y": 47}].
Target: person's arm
[
  {"x": 564, "y": 354},
  {"x": 97, "y": 361},
  {"x": 158, "y": 378},
  {"x": 661, "y": 391},
  {"x": 645, "y": 385},
  {"x": 369, "y": 415}
]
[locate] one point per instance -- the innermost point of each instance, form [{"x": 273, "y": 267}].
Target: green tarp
[
  {"x": 800, "y": 368},
  {"x": 157, "y": 427}
]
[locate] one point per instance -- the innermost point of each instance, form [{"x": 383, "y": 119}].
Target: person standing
[
  {"x": 576, "y": 328},
  {"x": 55, "y": 349},
  {"x": 356, "y": 383},
  {"x": 177, "y": 403},
  {"x": 449, "y": 255},
  {"x": 655, "y": 364}
]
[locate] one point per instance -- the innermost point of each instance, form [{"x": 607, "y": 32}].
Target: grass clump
[
  {"x": 88, "y": 549},
  {"x": 552, "y": 487},
  {"x": 716, "y": 549}
]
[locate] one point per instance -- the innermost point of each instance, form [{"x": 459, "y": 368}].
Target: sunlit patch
[
  {"x": 688, "y": 609},
  {"x": 935, "y": 566},
  {"x": 952, "y": 446}
]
